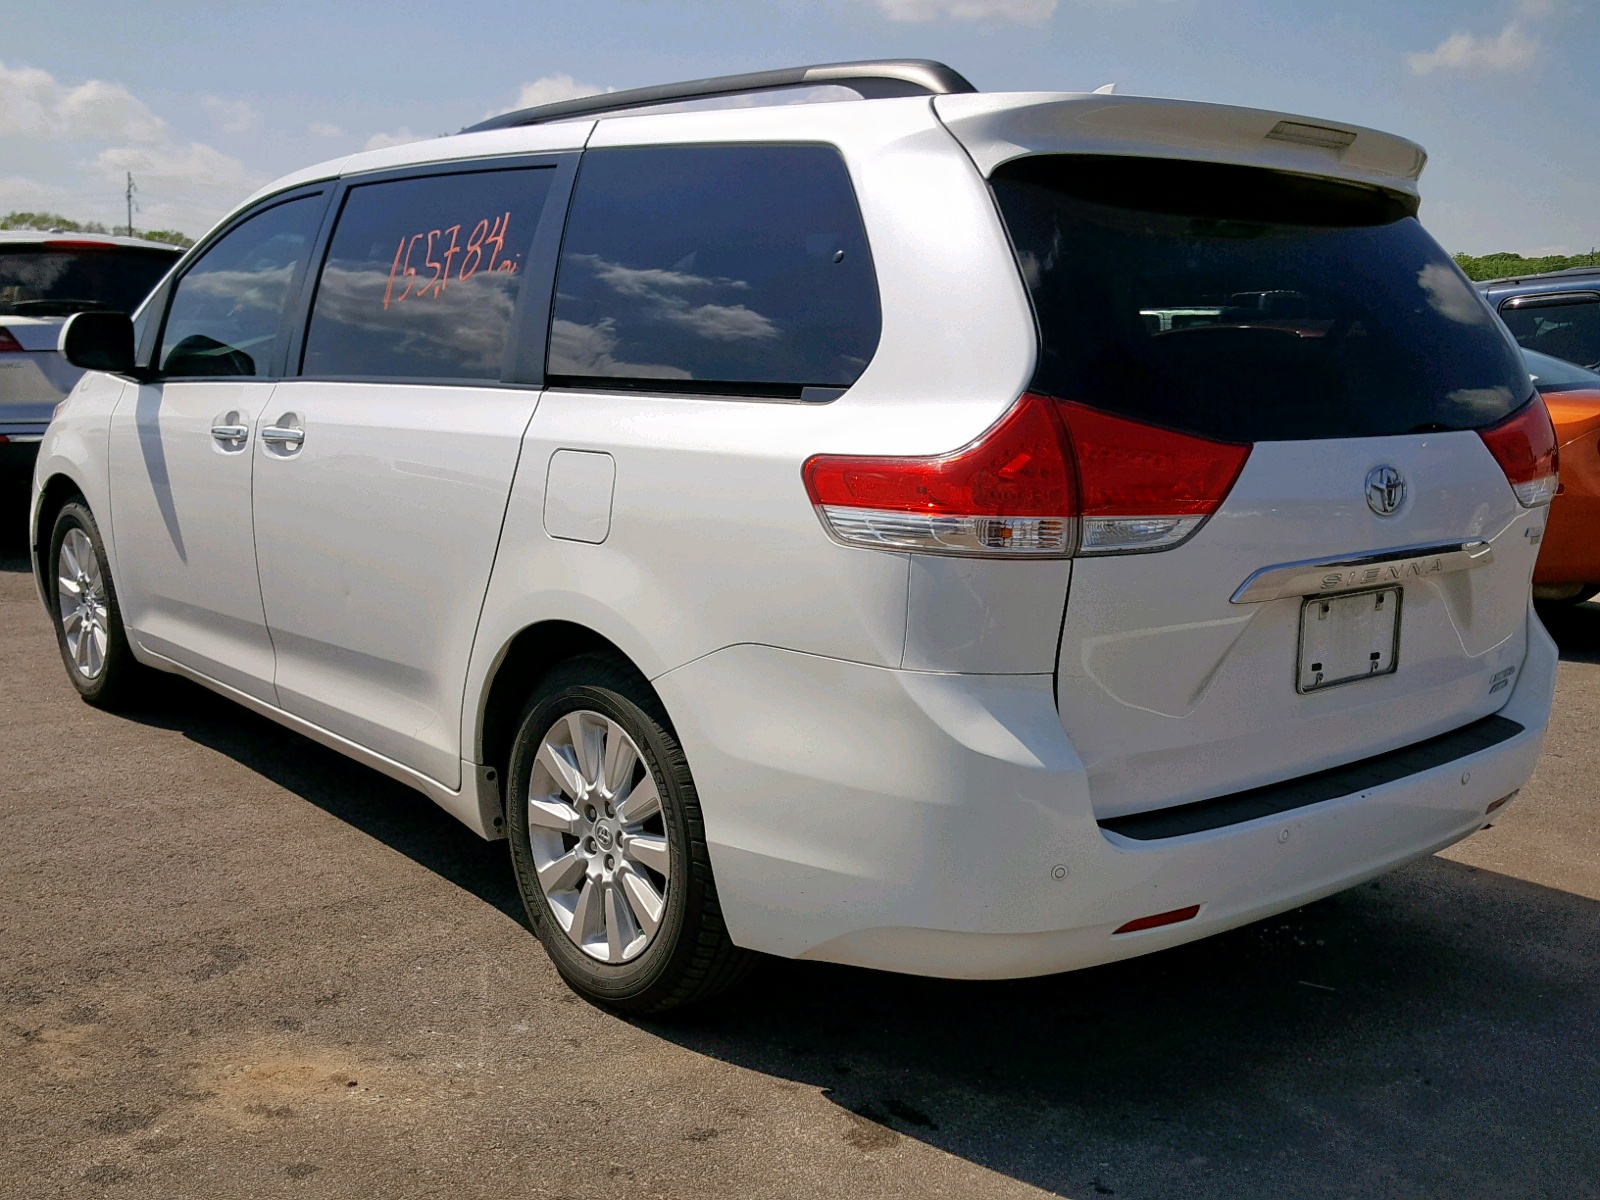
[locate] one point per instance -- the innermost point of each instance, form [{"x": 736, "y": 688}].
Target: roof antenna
[{"x": 1105, "y": 89}]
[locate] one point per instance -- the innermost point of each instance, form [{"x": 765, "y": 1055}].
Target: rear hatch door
[{"x": 1364, "y": 584}]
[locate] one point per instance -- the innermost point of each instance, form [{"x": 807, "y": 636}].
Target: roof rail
[{"x": 874, "y": 80}]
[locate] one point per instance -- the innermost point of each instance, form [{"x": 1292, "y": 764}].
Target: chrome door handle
[
  {"x": 230, "y": 433},
  {"x": 280, "y": 435}
]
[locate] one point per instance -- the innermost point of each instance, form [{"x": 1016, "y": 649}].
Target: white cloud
[
  {"x": 400, "y": 137},
  {"x": 1507, "y": 50},
  {"x": 1030, "y": 12},
  {"x": 35, "y": 104},
  {"x": 71, "y": 147},
  {"x": 549, "y": 89},
  {"x": 178, "y": 168},
  {"x": 587, "y": 350},
  {"x": 1451, "y": 296},
  {"x": 325, "y": 130},
  {"x": 230, "y": 116}
]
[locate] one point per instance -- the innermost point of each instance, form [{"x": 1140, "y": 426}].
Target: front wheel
[
  {"x": 87, "y": 618},
  {"x": 608, "y": 844}
]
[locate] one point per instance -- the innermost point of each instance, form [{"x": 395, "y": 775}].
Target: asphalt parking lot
[{"x": 233, "y": 963}]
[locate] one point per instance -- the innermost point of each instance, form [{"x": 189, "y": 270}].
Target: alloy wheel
[
  {"x": 597, "y": 832},
  {"x": 81, "y": 600}
]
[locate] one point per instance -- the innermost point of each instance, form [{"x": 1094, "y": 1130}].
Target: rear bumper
[{"x": 941, "y": 824}]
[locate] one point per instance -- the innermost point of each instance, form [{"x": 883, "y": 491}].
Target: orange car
[{"x": 1568, "y": 570}]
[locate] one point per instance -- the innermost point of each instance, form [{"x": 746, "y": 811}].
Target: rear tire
[
  {"x": 608, "y": 844},
  {"x": 85, "y": 611}
]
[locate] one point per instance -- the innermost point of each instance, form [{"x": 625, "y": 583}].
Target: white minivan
[{"x": 786, "y": 523}]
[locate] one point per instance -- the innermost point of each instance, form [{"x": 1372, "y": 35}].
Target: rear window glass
[
  {"x": 46, "y": 281},
  {"x": 1568, "y": 329},
  {"x": 422, "y": 275},
  {"x": 717, "y": 268},
  {"x": 1248, "y": 305}
]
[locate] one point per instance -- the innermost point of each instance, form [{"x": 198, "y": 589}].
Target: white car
[
  {"x": 785, "y": 524},
  {"x": 44, "y": 279}
]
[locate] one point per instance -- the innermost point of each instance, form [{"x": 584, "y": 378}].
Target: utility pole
[{"x": 131, "y": 190}]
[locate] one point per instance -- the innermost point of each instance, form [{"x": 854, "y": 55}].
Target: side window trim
[
  {"x": 530, "y": 321},
  {"x": 161, "y": 304}
]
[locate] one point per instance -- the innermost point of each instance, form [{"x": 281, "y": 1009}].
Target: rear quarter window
[
  {"x": 735, "y": 269},
  {"x": 1249, "y": 305}
]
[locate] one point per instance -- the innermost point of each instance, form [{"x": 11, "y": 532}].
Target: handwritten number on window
[{"x": 489, "y": 232}]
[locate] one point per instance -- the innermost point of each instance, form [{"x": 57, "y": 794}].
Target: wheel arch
[
  {"x": 56, "y": 491},
  {"x": 523, "y": 660}
]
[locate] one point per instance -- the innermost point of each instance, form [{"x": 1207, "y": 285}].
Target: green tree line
[
  {"x": 1503, "y": 263},
  {"x": 47, "y": 222}
]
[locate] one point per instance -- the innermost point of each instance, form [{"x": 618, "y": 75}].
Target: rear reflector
[
  {"x": 1166, "y": 918},
  {"x": 1048, "y": 480},
  {"x": 1499, "y": 802},
  {"x": 9, "y": 344},
  {"x": 1524, "y": 444}
]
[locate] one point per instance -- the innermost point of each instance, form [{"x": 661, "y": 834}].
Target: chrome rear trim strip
[{"x": 1328, "y": 576}]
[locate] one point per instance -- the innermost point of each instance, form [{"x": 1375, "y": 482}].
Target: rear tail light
[
  {"x": 1142, "y": 487},
  {"x": 1524, "y": 444},
  {"x": 1049, "y": 480},
  {"x": 9, "y": 344}
]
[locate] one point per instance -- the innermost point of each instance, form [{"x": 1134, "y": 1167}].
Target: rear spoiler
[{"x": 997, "y": 127}]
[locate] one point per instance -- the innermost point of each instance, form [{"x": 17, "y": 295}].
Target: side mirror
[{"x": 98, "y": 341}]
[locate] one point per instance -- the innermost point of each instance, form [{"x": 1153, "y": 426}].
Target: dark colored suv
[{"x": 1556, "y": 314}]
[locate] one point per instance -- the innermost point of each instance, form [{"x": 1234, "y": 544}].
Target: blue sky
[{"x": 206, "y": 102}]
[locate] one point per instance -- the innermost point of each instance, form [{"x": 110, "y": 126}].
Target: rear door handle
[
  {"x": 282, "y": 435},
  {"x": 230, "y": 433}
]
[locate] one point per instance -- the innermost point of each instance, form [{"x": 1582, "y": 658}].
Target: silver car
[{"x": 44, "y": 279}]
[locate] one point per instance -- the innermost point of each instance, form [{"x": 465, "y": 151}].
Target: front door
[{"x": 179, "y": 454}]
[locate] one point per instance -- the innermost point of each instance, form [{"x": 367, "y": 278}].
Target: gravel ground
[{"x": 234, "y": 964}]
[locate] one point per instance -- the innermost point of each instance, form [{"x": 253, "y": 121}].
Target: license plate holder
[{"x": 1347, "y": 638}]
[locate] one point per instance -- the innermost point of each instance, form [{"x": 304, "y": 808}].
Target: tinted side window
[
  {"x": 422, "y": 275},
  {"x": 1569, "y": 329},
  {"x": 725, "y": 268},
  {"x": 227, "y": 311}
]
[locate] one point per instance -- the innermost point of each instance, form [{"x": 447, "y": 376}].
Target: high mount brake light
[
  {"x": 1524, "y": 444},
  {"x": 1050, "y": 479}
]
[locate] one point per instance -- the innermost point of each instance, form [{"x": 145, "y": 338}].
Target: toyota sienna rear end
[{"x": 1226, "y": 610}]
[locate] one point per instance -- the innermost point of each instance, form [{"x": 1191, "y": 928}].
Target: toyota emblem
[{"x": 1386, "y": 490}]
